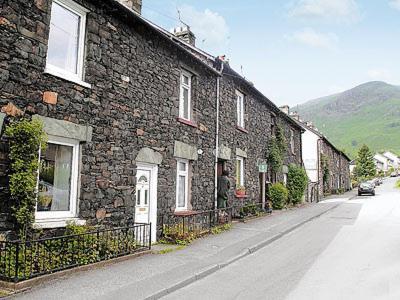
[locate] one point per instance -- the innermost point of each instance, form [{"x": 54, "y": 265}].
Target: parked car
[
  {"x": 372, "y": 182},
  {"x": 393, "y": 174},
  {"x": 366, "y": 188}
]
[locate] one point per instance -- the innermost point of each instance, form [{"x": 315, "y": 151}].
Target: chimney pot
[
  {"x": 135, "y": 5},
  {"x": 285, "y": 109},
  {"x": 295, "y": 115},
  {"x": 185, "y": 34}
]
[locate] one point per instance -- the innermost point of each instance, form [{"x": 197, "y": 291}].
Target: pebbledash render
[{"x": 131, "y": 112}]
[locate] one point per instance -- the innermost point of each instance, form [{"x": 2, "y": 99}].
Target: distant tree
[{"x": 365, "y": 166}]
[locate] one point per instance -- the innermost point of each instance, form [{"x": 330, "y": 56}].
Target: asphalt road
[{"x": 351, "y": 252}]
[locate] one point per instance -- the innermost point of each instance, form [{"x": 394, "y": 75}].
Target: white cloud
[
  {"x": 330, "y": 10},
  {"x": 310, "y": 37},
  {"x": 395, "y": 4},
  {"x": 210, "y": 28},
  {"x": 380, "y": 74}
]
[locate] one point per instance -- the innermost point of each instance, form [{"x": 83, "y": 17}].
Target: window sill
[
  {"x": 241, "y": 196},
  {"x": 56, "y": 223},
  {"x": 241, "y": 129},
  {"x": 183, "y": 213},
  {"x": 67, "y": 78},
  {"x": 187, "y": 122}
]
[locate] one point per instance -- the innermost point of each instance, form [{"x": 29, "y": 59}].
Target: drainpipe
[
  {"x": 217, "y": 139},
  {"x": 319, "y": 168}
]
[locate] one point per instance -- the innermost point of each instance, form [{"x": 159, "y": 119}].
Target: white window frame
[
  {"x": 285, "y": 177},
  {"x": 186, "y": 174},
  {"x": 60, "y": 72},
  {"x": 72, "y": 212},
  {"x": 240, "y": 108},
  {"x": 183, "y": 86},
  {"x": 292, "y": 141},
  {"x": 241, "y": 170}
]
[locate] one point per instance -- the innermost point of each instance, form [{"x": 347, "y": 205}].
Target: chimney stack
[
  {"x": 309, "y": 124},
  {"x": 285, "y": 109},
  {"x": 135, "y": 5},
  {"x": 295, "y": 115},
  {"x": 185, "y": 34}
]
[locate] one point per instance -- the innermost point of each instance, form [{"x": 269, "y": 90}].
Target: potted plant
[{"x": 240, "y": 191}]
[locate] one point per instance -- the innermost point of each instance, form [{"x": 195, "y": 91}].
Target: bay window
[
  {"x": 65, "y": 53},
  {"x": 185, "y": 97},
  {"x": 182, "y": 184},
  {"x": 58, "y": 180}
]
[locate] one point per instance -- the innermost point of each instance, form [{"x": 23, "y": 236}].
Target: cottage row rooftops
[
  {"x": 294, "y": 115},
  {"x": 386, "y": 160},
  {"x": 308, "y": 125},
  {"x": 183, "y": 37}
]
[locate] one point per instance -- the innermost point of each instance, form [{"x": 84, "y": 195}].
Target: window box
[
  {"x": 241, "y": 196},
  {"x": 240, "y": 191}
]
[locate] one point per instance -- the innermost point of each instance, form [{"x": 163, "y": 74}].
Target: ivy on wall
[
  {"x": 276, "y": 150},
  {"x": 26, "y": 140},
  {"x": 325, "y": 169}
]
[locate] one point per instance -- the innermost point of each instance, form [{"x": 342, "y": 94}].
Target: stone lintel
[
  {"x": 66, "y": 129},
  {"x": 185, "y": 151},
  {"x": 241, "y": 153},
  {"x": 147, "y": 155},
  {"x": 224, "y": 152}
]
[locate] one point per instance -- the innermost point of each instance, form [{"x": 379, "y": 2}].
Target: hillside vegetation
[{"x": 368, "y": 113}]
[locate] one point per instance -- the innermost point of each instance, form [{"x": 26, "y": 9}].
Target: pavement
[
  {"x": 171, "y": 274},
  {"x": 350, "y": 252}
]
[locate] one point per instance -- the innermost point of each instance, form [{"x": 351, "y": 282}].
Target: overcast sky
[{"x": 294, "y": 50}]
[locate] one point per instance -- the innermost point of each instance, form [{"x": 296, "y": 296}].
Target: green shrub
[
  {"x": 398, "y": 184},
  {"x": 296, "y": 184},
  {"x": 279, "y": 195},
  {"x": 26, "y": 137}
]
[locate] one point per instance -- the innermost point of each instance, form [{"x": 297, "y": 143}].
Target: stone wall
[
  {"x": 254, "y": 139},
  {"x": 339, "y": 177},
  {"x": 132, "y": 103}
]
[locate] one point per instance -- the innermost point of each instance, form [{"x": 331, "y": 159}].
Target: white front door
[{"x": 146, "y": 196}]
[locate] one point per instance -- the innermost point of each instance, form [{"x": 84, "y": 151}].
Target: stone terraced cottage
[
  {"x": 327, "y": 167},
  {"x": 131, "y": 112}
]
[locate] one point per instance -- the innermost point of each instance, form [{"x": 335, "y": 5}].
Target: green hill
[{"x": 368, "y": 113}]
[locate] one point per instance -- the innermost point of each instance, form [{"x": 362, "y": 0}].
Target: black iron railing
[
  {"x": 21, "y": 260},
  {"x": 187, "y": 226},
  {"x": 195, "y": 223},
  {"x": 249, "y": 210}
]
